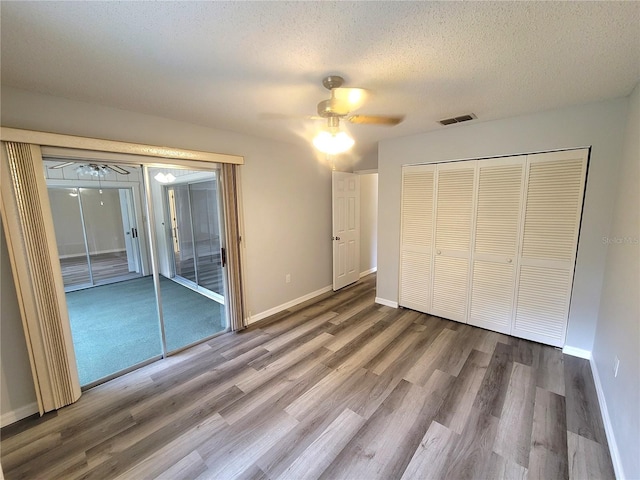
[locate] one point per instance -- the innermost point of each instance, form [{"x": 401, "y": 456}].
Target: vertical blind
[
  {"x": 233, "y": 239},
  {"x": 36, "y": 269}
]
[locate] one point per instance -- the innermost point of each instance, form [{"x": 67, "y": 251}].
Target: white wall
[
  {"x": 368, "y": 161},
  {"x": 368, "y": 222},
  {"x": 618, "y": 329},
  {"x": 103, "y": 223},
  {"x": 67, "y": 221},
  {"x": 286, "y": 191},
  {"x": 17, "y": 394},
  {"x": 599, "y": 124}
]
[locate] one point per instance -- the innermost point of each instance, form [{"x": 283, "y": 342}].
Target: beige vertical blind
[
  {"x": 235, "y": 295},
  {"x": 31, "y": 243}
]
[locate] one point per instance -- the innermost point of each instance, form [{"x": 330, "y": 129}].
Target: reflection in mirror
[{"x": 188, "y": 229}]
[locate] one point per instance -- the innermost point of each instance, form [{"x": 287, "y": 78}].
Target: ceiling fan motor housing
[
  {"x": 326, "y": 108},
  {"x": 332, "y": 81}
]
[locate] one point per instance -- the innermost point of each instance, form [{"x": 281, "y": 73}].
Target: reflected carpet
[{"x": 116, "y": 326}]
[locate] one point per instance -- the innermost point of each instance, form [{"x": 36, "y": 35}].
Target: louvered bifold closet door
[
  {"x": 553, "y": 205},
  {"x": 497, "y": 232},
  {"x": 455, "y": 192},
  {"x": 416, "y": 237}
]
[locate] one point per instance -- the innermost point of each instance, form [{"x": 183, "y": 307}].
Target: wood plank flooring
[
  {"x": 338, "y": 387},
  {"x": 105, "y": 267}
]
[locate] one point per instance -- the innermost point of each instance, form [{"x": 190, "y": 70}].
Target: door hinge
[{"x": 223, "y": 257}]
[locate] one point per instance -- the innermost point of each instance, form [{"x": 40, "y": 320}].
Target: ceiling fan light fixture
[
  {"x": 93, "y": 170},
  {"x": 162, "y": 177},
  {"x": 333, "y": 143}
]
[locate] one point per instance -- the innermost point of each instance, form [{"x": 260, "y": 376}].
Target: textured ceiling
[{"x": 222, "y": 64}]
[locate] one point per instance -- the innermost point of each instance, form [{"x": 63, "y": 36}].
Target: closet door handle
[
  {"x": 509, "y": 260},
  {"x": 438, "y": 252}
]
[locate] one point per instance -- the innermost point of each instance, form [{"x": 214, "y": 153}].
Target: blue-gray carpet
[{"x": 116, "y": 326}]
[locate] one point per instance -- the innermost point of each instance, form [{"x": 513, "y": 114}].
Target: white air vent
[{"x": 460, "y": 119}]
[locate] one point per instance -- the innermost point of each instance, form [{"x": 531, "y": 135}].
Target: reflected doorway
[{"x": 193, "y": 216}]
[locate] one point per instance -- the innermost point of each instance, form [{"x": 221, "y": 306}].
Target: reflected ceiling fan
[
  {"x": 340, "y": 105},
  {"x": 92, "y": 169}
]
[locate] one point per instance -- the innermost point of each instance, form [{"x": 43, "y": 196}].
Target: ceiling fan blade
[
  {"x": 60, "y": 165},
  {"x": 345, "y": 100},
  {"x": 118, "y": 169},
  {"x": 375, "y": 120},
  {"x": 284, "y": 116}
]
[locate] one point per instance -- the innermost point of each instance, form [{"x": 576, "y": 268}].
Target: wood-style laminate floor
[
  {"x": 105, "y": 267},
  {"x": 339, "y": 388}
]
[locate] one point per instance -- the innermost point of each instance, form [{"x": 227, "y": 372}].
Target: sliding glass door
[
  {"x": 194, "y": 273},
  {"x": 141, "y": 259}
]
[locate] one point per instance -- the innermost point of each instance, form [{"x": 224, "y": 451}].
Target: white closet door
[
  {"x": 416, "y": 237},
  {"x": 455, "y": 191},
  {"x": 553, "y": 205},
  {"x": 495, "y": 252}
]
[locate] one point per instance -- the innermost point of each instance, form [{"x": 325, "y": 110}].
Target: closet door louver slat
[
  {"x": 416, "y": 237},
  {"x": 450, "y": 287},
  {"x": 543, "y": 302},
  {"x": 553, "y": 197}
]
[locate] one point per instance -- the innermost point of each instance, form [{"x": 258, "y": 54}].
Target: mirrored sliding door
[
  {"x": 192, "y": 276},
  {"x": 141, "y": 261}
]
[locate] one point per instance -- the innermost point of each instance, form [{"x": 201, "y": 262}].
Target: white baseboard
[
  {"x": 18, "y": 414},
  {"x": 608, "y": 428},
  {"x": 284, "y": 306},
  {"x": 368, "y": 272},
  {"x": 388, "y": 303},
  {"x": 577, "y": 352}
]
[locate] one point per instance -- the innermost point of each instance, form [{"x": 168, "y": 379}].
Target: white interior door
[{"x": 346, "y": 228}]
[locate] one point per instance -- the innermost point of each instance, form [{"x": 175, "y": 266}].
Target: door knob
[
  {"x": 438, "y": 252},
  {"x": 509, "y": 260}
]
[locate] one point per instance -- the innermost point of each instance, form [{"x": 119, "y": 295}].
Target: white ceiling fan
[
  {"x": 339, "y": 106},
  {"x": 92, "y": 169}
]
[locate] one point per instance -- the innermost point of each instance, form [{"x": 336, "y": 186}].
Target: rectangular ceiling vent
[{"x": 460, "y": 119}]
